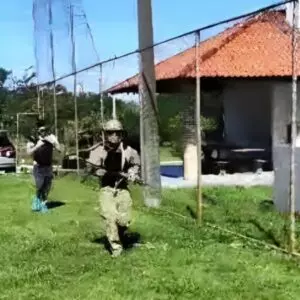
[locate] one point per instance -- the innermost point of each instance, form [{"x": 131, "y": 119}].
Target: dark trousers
[{"x": 43, "y": 176}]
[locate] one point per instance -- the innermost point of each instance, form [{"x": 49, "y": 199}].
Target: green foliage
[
  {"x": 175, "y": 130},
  {"x": 208, "y": 124}
]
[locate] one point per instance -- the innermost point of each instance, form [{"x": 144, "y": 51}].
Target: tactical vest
[
  {"x": 44, "y": 155},
  {"x": 113, "y": 164}
]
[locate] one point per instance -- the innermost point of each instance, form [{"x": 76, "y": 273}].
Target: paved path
[{"x": 241, "y": 179}]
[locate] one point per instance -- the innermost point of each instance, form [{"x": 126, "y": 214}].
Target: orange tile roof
[{"x": 257, "y": 47}]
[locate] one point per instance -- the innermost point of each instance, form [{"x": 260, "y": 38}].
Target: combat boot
[
  {"x": 117, "y": 251},
  {"x": 122, "y": 234}
]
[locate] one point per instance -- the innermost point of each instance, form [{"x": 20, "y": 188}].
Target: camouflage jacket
[{"x": 129, "y": 160}]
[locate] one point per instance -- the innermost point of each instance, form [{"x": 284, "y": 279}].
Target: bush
[{"x": 175, "y": 129}]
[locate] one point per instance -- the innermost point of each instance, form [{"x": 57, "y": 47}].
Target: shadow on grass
[
  {"x": 191, "y": 212},
  {"x": 129, "y": 241},
  {"x": 206, "y": 200},
  {"x": 266, "y": 205},
  {"x": 54, "y": 204},
  {"x": 268, "y": 234}
]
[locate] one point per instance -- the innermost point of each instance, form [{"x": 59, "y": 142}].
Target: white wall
[
  {"x": 282, "y": 109},
  {"x": 247, "y": 108}
]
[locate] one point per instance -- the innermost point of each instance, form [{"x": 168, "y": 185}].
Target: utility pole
[
  {"x": 147, "y": 91},
  {"x": 114, "y": 109}
]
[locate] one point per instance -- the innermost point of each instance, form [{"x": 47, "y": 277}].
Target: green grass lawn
[
  {"x": 167, "y": 154},
  {"x": 58, "y": 256}
]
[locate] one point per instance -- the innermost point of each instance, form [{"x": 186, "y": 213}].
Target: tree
[
  {"x": 4, "y": 93},
  {"x": 4, "y": 75}
]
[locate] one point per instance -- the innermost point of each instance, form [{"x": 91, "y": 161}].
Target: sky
[{"x": 114, "y": 28}]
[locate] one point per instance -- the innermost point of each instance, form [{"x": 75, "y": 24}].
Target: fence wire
[{"x": 237, "y": 75}]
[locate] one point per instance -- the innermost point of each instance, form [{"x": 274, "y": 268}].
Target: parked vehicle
[{"x": 7, "y": 152}]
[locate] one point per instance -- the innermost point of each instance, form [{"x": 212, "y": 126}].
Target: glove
[
  {"x": 50, "y": 139},
  {"x": 132, "y": 176},
  {"x": 100, "y": 172},
  {"x": 39, "y": 143}
]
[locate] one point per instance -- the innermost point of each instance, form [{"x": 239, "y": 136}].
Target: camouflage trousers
[{"x": 116, "y": 212}]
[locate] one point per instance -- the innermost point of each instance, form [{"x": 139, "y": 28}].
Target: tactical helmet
[{"x": 113, "y": 125}]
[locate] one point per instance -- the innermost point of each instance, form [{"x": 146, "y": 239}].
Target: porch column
[{"x": 190, "y": 160}]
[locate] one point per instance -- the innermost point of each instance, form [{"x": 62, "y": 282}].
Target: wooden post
[
  {"x": 198, "y": 130},
  {"x": 292, "y": 238},
  {"x": 142, "y": 140}
]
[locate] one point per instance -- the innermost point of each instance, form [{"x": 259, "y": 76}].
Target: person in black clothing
[{"x": 41, "y": 148}]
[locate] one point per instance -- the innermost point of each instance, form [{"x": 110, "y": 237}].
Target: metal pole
[
  {"x": 53, "y": 66},
  {"x": 292, "y": 238},
  {"x": 147, "y": 91},
  {"x": 198, "y": 130},
  {"x": 101, "y": 101},
  {"x": 101, "y": 94},
  {"x": 142, "y": 140},
  {"x": 114, "y": 112},
  {"x": 55, "y": 109},
  {"x": 75, "y": 86},
  {"x": 43, "y": 111},
  {"x": 38, "y": 99},
  {"x": 17, "y": 143}
]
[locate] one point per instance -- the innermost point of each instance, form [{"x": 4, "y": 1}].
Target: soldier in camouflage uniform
[{"x": 116, "y": 164}]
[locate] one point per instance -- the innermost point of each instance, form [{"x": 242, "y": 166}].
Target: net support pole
[
  {"x": 292, "y": 200},
  {"x": 55, "y": 109},
  {"x": 101, "y": 101},
  {"x": 18, "y": 141},
  {"x": 50, "y": 16},
  {"x": 43, "y": 109},
  {"x": 114, "y": 110},
  {"x": 198, "y": 129},
  {"x": 147, "y": 92},
  {"x": 74, "y": 68},
  {"x": 38, "y": 100},
  {"x": 37, "y": 69},
  {"x": 142, "y": 140}
]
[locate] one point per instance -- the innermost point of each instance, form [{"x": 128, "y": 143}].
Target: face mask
[
  {"x": 42, "y": 132},
  {"x": 114, "y": 137}
]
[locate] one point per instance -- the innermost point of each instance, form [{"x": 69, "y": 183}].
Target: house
[{"x": 247, "y": 70}]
